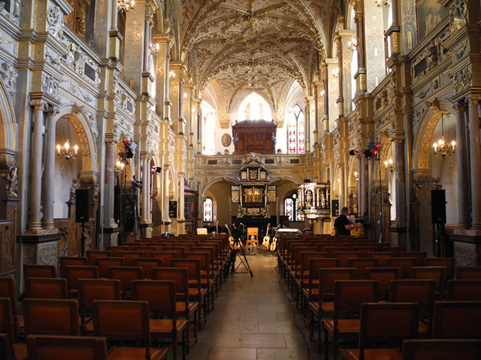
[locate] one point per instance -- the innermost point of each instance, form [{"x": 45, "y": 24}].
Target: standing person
[{"x": 344, "y": 223}]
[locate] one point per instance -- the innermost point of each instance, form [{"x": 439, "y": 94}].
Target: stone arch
[
  {"x": 8, "y": 143},
  {"x": 423, "y": 142},
  {"x": 88, "y": 148},
  {"x": 214, "y": 181}
]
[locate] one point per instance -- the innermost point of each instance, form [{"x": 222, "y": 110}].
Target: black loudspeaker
[
  {"x": 438, "y": 206},
  {"x": 335, "y": 208},
  {"x": 82, "y": 205}
]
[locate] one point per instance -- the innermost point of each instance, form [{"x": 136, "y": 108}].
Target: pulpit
[{"x": 257, "y": 136}]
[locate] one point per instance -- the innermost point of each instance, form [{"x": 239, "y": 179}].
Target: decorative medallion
[{"x": 226, "y": 140}]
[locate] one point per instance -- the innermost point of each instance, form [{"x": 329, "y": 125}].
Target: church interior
[{"x": 240, "y": 179}]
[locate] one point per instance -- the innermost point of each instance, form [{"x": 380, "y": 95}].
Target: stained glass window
[
  {"x": 208, "y": 210},
  {"x": 296, "y": 133},
  {"x": 289, "y": 209},
  {"x": 299, "y": 217}
]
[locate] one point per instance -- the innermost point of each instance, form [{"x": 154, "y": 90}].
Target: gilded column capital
[{"x": 39, "y": 105}]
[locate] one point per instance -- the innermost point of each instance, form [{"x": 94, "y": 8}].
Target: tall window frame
[
  {"x": 208, "y": 210},
  {"x": 296, "y": 131},
  {"x": 291, "y": 210}
]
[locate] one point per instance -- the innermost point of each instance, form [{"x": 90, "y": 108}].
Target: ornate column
[
  {"x": 110, "y": 180},
  {"x": 325, "y": 77},
  {"x": 363, "y": 185},
  {"x": 340, "y": 76},
  {"x": 475, "y": 152},
  {"x": 145, "y": 158},
  {"x": 115, "y": 37},
  {"x": 163, "y": 42},
  {"x": 165, "y": 211},
  {"x": 361, "y": 78},
  {"x": 181, "y": 214},
  {"x": 461, "y": 155},
  {"x": 49, "y": 169},
  {"x": 318, "y": 98},
  {"x": 394, "y": 32},
  {"x": 176, "y": 94},
  {"x": 34, "y": 224},
  {"x": 198, "y": 107}
]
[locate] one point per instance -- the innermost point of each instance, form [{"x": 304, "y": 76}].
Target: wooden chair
[
  {"x": 126, "y": 321},
  {"x": 448, "y": 263},
  {"x": 419, "y": 256},
  {"x": 104, "y": 263},
  {"x": 185, "y": 308},
  {"x": 51, "y": 317},
  {"x": 74, "y": 273},
  {"x": 457, "y": 320},
  {"x": 7, "y": 329},
  {"x": 42, "y": 347},
  {"x": 361, "y": 265},
  {"x": 147, "y": 265},
  {"x": 468, "y": 272},
  {"x": 6, "y": 349},
  {"x": 179, "y": 251},
  {"x": 160, "y": 294},
  {"x": 464, "y": 290},
  {"x": 207, "y": 280},
  {"x": 381, "y": 257},
  {"x": 384, "y": 323},
  {"x": 417, "y": 291},
  {"x": 93, "y": 255},
  {"x": 146, "y": 250},
  {"x": 7, "y": 290},
  {"x": 129, "y": 256},
  {"x": 91, "y": 290},
  {"x": 442, "y": 349},
  {"x": 39, "y": 271},
  {"x": 46, "y": 288},
  {"x": 344, "y": 256},
  {"x": 325, "y": 305},
  {"x": 126, "y": 275},
  {"x": 165, "y": 256},
  {"x": 384, "y": 275},
  {"x": 405, "y": 263},
  {"x": 348, "y": 297},
  {"x": 72, "y": 261},
  {"x": 311, "y": 293},
  {"x": 436, "y": 273},
  {"x": 115, "y": 250}
]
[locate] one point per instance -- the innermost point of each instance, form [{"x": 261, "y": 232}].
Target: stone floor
[{"x": 254, "y": 319}]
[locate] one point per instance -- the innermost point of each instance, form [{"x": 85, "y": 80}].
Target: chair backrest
[
  {"x": 93, "y": 255},
  {"x": 74, "y": 273},
  {"x": 329, "y": 276},
  {"x": 40, "y": 288},
  {"x": 104, "y": 264},
  {"x": 72, "y": 260},
  {"x": 350, "y": 294},
  {"x": 381, "y": 257},
  {"x": 388, "y": 323},
  {"x": 38, "y": 271},
  {"x": 129, "y": 256},
  {"x": 146, "y": 250},
  {"x": 317, "y": 264},
  {"x": 307, "y": 256},
  {"x": 166, "y": 256},
  {"x": 51, "y": 317},
  {"x": 126, "y": 274},
  {"x": 361, "y": 264},
  {"x": 91, "y": 290},
  {"x": 6, "y": 349},
  {"x": 397, "y": 250},
  {"x": 7, "y": 290},
  {"x": 147, "y": 265},
  {"x": 418, "y": 291},
  {"x": 464, "y": 290},
  {"x": 436, "y": 273},
  {"x": 203, "y": 257},
  {"x": 457, "y": 320},
  {"x": 448, "y": 262},
  {"x": 160, "y": 294},
  {"x": 384, "y": 275},
  {"x": 405, "y": 263},
  {"x": 114, "y": 250},
  {"x": 468, "y": 272},
  {"x": 192, "y": 266},
  {"x": 419, "y": 256},
  {"x": 42, "y": 347},
  {"x": 442, "y": 349},
  {"x": 344, "y": 256},
  {"x": 6, "y": 321},
  {"x": 123, "y": 321},
  {"x": 180, "y": 276}
]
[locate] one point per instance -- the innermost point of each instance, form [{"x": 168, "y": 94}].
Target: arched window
[
  {"x": 208, "y": 210},
  {"x": 290, "y": 209},
  {"x": 209, "y": 125},
  {"x": 296, "y": 134},
  {"x": 254, "y": 107}
]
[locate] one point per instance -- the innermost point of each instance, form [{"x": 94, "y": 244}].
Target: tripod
[{"x": 240, "y": 253}]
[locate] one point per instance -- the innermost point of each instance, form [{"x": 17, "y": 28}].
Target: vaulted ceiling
[{"x": 254, "y": 45}]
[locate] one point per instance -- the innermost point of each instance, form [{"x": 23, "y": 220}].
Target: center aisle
[{"x": 254, "y": 319}]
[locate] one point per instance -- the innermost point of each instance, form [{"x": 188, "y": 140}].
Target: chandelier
[
  {"x": 381, "y": 3},
  {"x": 352, "y": 44},
  {"x": 66, "y": 151},
  {"x": 389, "y": 164},
  {"x": 314, "y": 199},
  {"x": 119, "y": 166},
  {"x": 441, "y": 147},
  {"x": 125, "y": 5}
]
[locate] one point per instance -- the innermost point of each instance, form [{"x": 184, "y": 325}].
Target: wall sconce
[
  {"x": 154, "y": 48},
  {"x": 125, "y": 5},
  {"x": 353, "y": 44},
  {"x": 356, "y": 175},
  {"x": 381, "y": 3},
  {"x": 171, "y": 74},
  {"x": 66, "y": 151},
  {"x": 335, "y": 72},
  {"x": 323, "y": 92},
  {"x": 119, "y": 166},
  {"x": 389, "y": 164}
]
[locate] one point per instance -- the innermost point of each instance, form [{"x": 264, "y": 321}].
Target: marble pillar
[
  {"x": 34, "y": 224},
  {"x": 181, "y": 214},
  {"x": 49, "y": 177},
  {"x": 110, "y": 180},
  {"x": 461, "y": 152},
  {"x": 475, "y": 151}
]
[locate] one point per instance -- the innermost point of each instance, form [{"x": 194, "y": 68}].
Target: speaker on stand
[
  {"x": 82, "y": 213},
  {"x": 442, "y": 245}
]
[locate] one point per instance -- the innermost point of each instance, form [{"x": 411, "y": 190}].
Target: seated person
[{"x": 344, "y": 223}]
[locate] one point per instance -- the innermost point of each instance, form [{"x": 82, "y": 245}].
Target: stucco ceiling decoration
[{"x": 253, "y": 45}]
